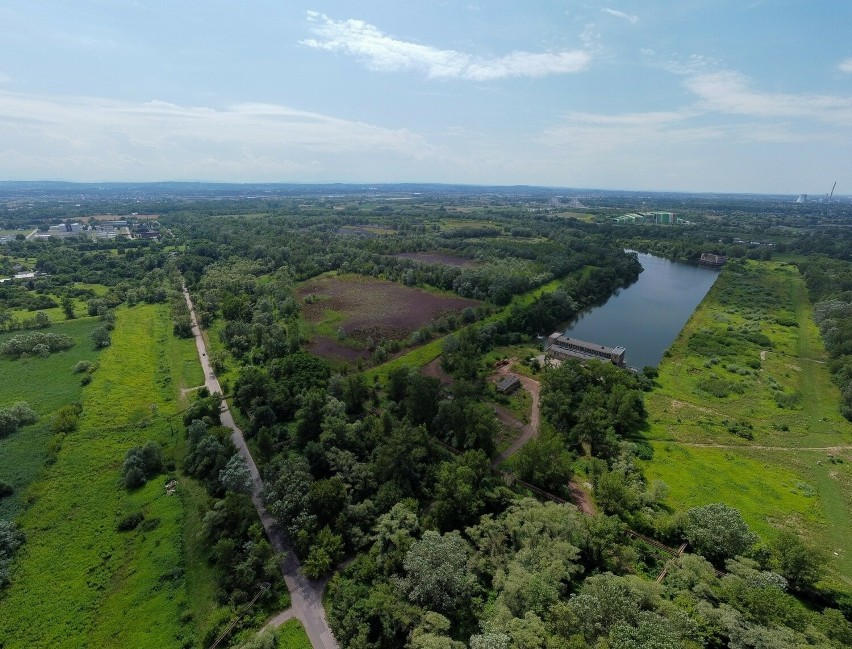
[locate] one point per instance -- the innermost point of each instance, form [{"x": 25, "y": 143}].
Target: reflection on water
[{"x": 647, "y": 316}]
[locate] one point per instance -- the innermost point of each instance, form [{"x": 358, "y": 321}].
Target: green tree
[
  {"x": 717, "y": 532},
  {"x": 236, "y": 476},
  {"x": 800, "y": 565},
  {"x": 326, "y": 551},
  {"x": 545, "y": 462},
  {"x": 67, "y": 305},
  {"x": 465, "y": 489},
  {"x": 393, "y": 535},
  {"x": 436, "y": 571},
  {"x": 100, "y": 337}
]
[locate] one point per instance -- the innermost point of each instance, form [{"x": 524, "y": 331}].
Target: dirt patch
[
  {"x": 435, "y": 370},
  {"x": 332, "y": 350},
  {"x": 368, "y": 310},
  {"x": 580, "y": 498},
  {"x": 439, "y": 258}
]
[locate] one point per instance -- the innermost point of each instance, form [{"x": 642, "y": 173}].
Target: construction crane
[{"x": 832, "y": 191}]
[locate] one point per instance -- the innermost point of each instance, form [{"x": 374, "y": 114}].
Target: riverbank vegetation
[{"x": 746, "y": 413}]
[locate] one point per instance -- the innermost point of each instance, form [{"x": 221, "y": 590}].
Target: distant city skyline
[{"x": 689, "y": 95}]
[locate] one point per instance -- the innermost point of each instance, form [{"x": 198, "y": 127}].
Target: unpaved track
[
  {"x": 528, "y": 431},
  {"x": 305, "y": 594}
]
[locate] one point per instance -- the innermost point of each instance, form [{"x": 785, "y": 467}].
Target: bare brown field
[
  {"x": 439, "y": 258},
  {"x": 368, "y": 309}
]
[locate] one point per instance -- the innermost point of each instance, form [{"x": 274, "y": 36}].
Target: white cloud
[
  {"x": 631, "y": 18},
  {"x": 386, "y": 54},
  {"x": 5, "y": 78},
  {"x": 730, "y": 92},
  {"x": 83, "y": 138},
  {"x": 845, "y": 66}
]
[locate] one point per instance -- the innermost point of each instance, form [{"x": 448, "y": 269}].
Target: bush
[
  {"x": 100, "y": 337},
  {"x": 67, "y": 418},
  {"x": 82, "y": 366},
  {"x": 149, "y": 524},
  {"x": 6, "y": 489},
  {"x": 11, "y": 538},
  {"x": 11, "y": 419},
  {"x": 141, "y": 463},
  {"x": 130, "y": 522}
]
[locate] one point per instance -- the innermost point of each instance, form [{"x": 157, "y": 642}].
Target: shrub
[
  {"x": 100, "y": 337},
  {"x": 717, "y": 532},
  {"x": 11, "y": 538},
  {"x": 141, "y": 463},
  {"x": 67, "y": 418},
  {"x": 130, "y": 522},
  {"x": 149, "y": 524},
  {"x": 21, "y": 344},
  {"x": 82, "y": 366},
  {"x": 6, "y": 489},
  {"x": 11, "y": 419}
]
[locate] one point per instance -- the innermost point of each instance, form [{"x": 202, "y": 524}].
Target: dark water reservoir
[{"x": 646, "y": 316}]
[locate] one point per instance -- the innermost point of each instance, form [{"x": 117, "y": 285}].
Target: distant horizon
[
  {"x": 698, "y": 97},
  {"x": 811, "y": 197}
]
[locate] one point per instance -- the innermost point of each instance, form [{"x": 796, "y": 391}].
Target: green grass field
[
  {"x": 45, "y": 384},
  {"x": 78, "y": 582},
  {"x": 746, "y": 413}
]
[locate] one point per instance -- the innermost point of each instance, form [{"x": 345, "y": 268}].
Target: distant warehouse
[{"x": 561, "y": 347}]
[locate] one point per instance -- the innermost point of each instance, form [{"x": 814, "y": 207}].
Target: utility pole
[{"x": 263, "y": 587}]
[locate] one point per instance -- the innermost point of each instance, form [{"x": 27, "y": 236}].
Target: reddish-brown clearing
[
  {"x": 439, "y": 258},
  {"x": 371, "y": 309}
]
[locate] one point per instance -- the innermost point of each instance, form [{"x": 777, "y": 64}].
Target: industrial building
[
  {"x": 658, "y": 218},
  {"x": 561, "y": 347}
]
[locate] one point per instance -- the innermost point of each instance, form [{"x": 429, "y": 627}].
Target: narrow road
[
  {"x": 529, "y": 430},
  {"x": 305, "y": 594}
]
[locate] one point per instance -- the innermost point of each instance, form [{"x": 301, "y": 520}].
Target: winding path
[
  {"x": 305, "y": 594},
  {"x": 528, "y": 431}
]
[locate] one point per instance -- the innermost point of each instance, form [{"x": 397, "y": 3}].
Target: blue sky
[{"x": 689, "y": 95}]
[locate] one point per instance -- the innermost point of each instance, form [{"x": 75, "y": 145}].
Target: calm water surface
[{"x": 647, "y": 316}]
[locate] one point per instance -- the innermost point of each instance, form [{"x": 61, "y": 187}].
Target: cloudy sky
[{"x": 692, "y": 95}]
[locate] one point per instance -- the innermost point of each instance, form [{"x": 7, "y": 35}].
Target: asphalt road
[{"x": 305, "y": 594}]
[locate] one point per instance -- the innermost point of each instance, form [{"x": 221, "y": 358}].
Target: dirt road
[{"x": 305, "y": 594}]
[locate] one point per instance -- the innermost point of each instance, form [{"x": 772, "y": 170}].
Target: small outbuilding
[{"x": 509, "y": 384}]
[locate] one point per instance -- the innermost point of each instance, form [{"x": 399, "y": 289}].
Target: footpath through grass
[
  {"x": 744, "y": 399},
  {"x": 78, "y": 581}
]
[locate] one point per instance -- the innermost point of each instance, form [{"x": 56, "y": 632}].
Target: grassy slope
[
  {"x": 781, "y": 484},
  {"x": 78, "y": 582},
  {"x": 46, "y": 384}
]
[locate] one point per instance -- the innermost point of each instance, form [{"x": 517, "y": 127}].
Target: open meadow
[
  {"x": 46, "y": 384},
  {"x": 79, "y": 582},
  {"x": 746, "y": 413}
]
